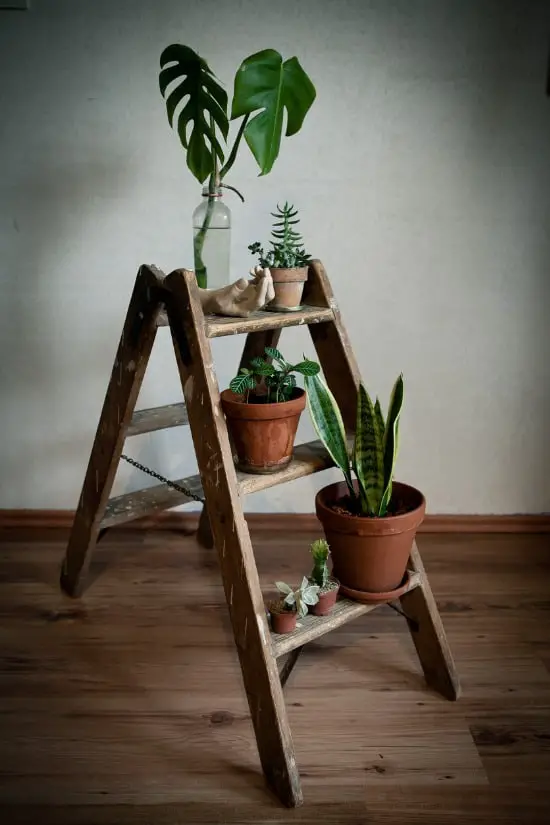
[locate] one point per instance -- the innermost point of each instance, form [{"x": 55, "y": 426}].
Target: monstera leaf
[
  {"x": 267, "y": 86},
  {"x": 204, "y": 94}
]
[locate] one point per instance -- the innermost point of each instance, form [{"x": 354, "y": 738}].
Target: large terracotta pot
[
  {"x": 263, "y": 434},
  {"x": 370, "y": 554},
  {"x": 289, "y": 287}
]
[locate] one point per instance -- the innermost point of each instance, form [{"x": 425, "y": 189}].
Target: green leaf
[
  {"x": 262, "y": 367},
  {"x": 276, "y": 355},
  {"x": 203, "y": 94},
  {"x": 328, "y": 424},
  {"x": 307, "y": 367},
  {"x": 241, "y": 383},
  {"x": 368, "y": 454},
  {"x": 266, "y": 86},
  {"x": 283, "y": 588},
  {"x": 391, "y": 438},
  {"x": 379, "y": 415}
]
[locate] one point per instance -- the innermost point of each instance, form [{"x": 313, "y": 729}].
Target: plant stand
[{"x": 224, "y": 487}]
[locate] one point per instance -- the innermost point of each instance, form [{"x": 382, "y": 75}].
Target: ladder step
[
  {"x": 149, "y": 501},
  {"x": 312, "y": 627},
  {"x": 157, "y": 418},
  {"x": 308, "y": 458},
  {"x": 219, "y": 325}
]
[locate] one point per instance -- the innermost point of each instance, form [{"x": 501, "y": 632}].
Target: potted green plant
[
  {"x": 370, "y": 522},
  {"x": 265, "y": 87},
  {"x": 263, "y": 406},
  {"x": 320, "y": 575},
  {"x": 292, "y": 605},
  {"x": 287, "y": 260}
]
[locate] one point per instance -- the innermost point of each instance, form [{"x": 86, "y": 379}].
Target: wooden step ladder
[{"x": 174, "y": 300}]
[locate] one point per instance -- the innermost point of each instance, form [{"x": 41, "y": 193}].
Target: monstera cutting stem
[{"x": 265, "y": 87}]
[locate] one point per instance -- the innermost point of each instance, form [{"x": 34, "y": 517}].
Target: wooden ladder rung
[
  {"x": 146, "y": 502},
  {"x": 308, "y": 458},
  {"x": 157, "y": 418},
  {"x": 312, "y": 627},
  {"x": 217, "y": 326}
]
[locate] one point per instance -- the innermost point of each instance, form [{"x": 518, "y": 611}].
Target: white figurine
[{"x": 240, "y": 298}]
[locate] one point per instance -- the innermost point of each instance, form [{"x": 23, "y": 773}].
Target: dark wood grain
[
  {"x": 128, "y": 708},
  {"x": 231, "y": 538},
  {"x": 131, "y": 360}
]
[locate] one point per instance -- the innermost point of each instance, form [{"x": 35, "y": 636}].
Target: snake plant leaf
[
  {"x": 328, "y": 424},
  {"x": 368, "y": 454},
  {"x": 391, "y": 439},
  {"x": 204, "y": 96},
  {"x": 264, "y": 88},
  {"x": 380, "y": 416}
]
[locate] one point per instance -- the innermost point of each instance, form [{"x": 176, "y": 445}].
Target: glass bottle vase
[{"x": 212, "y": 240}]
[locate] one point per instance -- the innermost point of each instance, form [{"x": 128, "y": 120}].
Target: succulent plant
[
  {"x": 298, "y": 600},
  {"x": 287, "y": 250},
  {"x": 320, "y": 574}
]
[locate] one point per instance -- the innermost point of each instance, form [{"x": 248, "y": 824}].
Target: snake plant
[
  {"x": 299, "y": 599},
  {"x": 374, "y": 452}
]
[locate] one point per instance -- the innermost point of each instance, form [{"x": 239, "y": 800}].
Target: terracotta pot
[
  {"x": 263, "y": 434},
  {"x": 289, "y": 287},
  {"x": 326, "y": 601},
  {"x": 370, "y": 554},
  {"x": 284, "y": 622}
]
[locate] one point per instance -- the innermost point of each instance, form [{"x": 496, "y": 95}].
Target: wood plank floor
[{"x": 127, "y": 706}]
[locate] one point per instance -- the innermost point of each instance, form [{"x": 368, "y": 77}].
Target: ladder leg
[
  {"x": 332, "y": 345},
  {"x": 428, "y": 634},
  {"x": 131, "y": 360},
  {"x": 232, "y": 540},
  {"x": 204, "y": 532}
]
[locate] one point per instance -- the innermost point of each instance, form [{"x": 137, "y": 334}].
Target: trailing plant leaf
[
  {"x": 390, "y": 442},
  {"x": 204, "y": 94},
  {"x": 328, "y": 424},
  {"x": 368, "y": 455},
  {"x": 264, "y": 87}
]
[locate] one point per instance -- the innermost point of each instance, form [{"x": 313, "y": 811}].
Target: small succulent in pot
[
  {"x": 287, "y": 259},
  {"x": 292, "y": 605},
  {"x": 320, "y": 575}
]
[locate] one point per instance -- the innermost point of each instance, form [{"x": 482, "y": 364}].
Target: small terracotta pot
[
  {"x": 370, "y": 554},
  {"x": 263, "y": 434},
  {"x": 326, "y": 601},
  {"x": 284, "y": 622},
  {"x": 289, "y": 287}
]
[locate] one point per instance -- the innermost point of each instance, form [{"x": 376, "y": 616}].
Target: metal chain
[{"x": 167, "y": 481}]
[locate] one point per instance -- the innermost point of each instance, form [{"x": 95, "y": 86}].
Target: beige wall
[{"x": 423, "y": 179}]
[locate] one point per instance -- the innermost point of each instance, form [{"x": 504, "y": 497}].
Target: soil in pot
[
  {"x": 263, "y": 434},
  {"x": 370, "y": 554},
  {"x": 289, "y": 287},
  {"x": 327, "y": 598},
  {"x": 282, "y": 620}
]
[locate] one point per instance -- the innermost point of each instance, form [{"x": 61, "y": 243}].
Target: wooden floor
[{"x": 127, "y": 706}]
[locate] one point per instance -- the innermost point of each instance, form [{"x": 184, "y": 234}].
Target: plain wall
[{"x": 422, "y": 175}]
